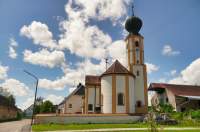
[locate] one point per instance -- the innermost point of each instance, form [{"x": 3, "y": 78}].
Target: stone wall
[
  {"x": 85, "y": 119},
  {"x": 7, "y": 113}
]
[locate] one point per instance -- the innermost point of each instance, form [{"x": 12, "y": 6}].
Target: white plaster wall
[
  {"x": 120, "y": 88},
  {"x": 106, "y": 91},
  {"x": 131, "y": 95},
  {"x": 91, "y": 97},
  {"x": 76, "y": 102},
  {"x": 139, "y": 83}
]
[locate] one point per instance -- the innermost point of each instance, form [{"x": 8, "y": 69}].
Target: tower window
[
  {"x": 90, "y": 107},
  {"x": 70, "y": 105},
  {"x": 137, "y": 44},
  {"x": 138, "y": 73},
  {"x": 120, "y": 99}
]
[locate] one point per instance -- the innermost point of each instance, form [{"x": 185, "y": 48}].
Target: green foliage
[
  {"x": 195, "y": 114},
  {"x": 165, "y": 108},
  {"x": 47, "y": 107}
]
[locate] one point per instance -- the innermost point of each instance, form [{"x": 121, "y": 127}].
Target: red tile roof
[
  {"x": 117, "y": 68},
  {"x": 92, "y": 80},
  {"x": 187, "y": 90}
]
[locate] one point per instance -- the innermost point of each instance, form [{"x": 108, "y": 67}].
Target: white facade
[
  {"x": 73, "y": 104},
  {"x": 93, "y": 97},
  {"x": 120, "y": 85},
  {"x": 106, "y": 91}
]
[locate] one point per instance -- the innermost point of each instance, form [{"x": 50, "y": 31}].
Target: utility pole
[{"x": 37, "y": 80}]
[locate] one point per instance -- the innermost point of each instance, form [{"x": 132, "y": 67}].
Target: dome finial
[
  {"x": 133, "y": 24},
  {"x": 132, "y": 7}
]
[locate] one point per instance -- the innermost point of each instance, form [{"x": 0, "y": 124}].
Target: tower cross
[
  {"x": 106, "y": 61},
  {"x": 132, "y": 9}
]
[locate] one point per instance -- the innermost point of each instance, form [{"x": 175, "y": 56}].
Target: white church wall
[
  {"x": 131, "y": 95},
  {"x": 106, "y": 90},
  {"x": 120, "y": 88},
  {"x": 139, "y": 84},
  {"x": 91, "y": 97}
]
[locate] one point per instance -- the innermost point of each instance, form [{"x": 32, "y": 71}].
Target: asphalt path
[{"x": 16, "y": 126}]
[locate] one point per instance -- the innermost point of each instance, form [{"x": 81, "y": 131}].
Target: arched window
[
  {"x": 137, "y": 55},
  {"x": 138, "y": 73},
  {"x": 137, "y": 44},
  {"x": 120, "y": 99}
]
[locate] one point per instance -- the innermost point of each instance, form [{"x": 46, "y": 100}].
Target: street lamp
[{"x": 32, "y": 75}]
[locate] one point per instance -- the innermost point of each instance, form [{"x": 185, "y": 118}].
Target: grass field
[{"x": 54, "y": 127}]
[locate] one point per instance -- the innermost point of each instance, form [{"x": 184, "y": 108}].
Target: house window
[
  {"x": 120, "y": 99},
  {"x": 167, "y": 100},
  {"x": 90, "y": 107},
  {"x": 139, "y": 103},
  {"x": 70, "y": 105}
]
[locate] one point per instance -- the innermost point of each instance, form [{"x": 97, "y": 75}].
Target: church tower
[{"x": 135, "y": 56}]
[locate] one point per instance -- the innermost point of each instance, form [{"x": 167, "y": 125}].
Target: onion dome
[{"x": 133, "y": 25}]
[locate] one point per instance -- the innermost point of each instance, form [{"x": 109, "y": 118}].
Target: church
[{"x": 118, "y": 90}]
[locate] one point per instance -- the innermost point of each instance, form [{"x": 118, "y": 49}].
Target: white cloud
[
  {"x": 45, "y": 58},
  {"x": 190, "y": 75},
  {"x": 12, "y": 48},
  {"x": 117, "y": 50},
  {"x": 168, "y": 51},
  {"x": 26, "y": 103},
  {"x": 54, "y": 99},
  {"x": 40, "y": 34},
  {"x": 151, "y": 68},
  {"x": 72, "y": 77},
  {"x": 15, "y": 87},
  {"x": 173, "y": 72},
  {"x": 3, "y": 72},
  {"x": 71, "y": 89}
]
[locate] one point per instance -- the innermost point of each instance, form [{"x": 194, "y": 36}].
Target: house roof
[
  {"x": 92, "y": 80},
  {"x": 80, "y": 90},
  {"x": 179, "y": 90},
  {"x": 117, "y": 68}
]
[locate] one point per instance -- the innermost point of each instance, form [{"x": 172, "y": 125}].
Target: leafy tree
[{"x": 47, "y": 107}]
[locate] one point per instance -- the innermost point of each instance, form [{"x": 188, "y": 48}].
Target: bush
[{"x": 195, "y": 114}]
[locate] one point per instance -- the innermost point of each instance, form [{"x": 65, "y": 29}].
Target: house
[
  {"x": 181, "y": 97},
  {"x": 73, "y": 103},
  {"x": 7, "y": 111},
  {"x": 118, "y": 90}
]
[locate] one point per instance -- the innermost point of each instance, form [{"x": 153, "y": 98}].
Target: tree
[{"x": 47, "y": 107}]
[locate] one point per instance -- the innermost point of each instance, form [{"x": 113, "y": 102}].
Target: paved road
[{"x": 16, "y": 126}]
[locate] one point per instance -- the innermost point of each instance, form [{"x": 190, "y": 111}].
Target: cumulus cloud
[
  {"x": 3, "y": 72},
  {"x": 12, "y": 48},
  {"x": 45, "y": 58},
  {"x": 27, "y": 103},
  {"x": 39, "y": 33},
  {"x": 15, "y": 87},
  {"x": 80, "y": 38},
  {"x": 190, "y": 75},
  {"x": 54, "y": 99},
  {"x": 168, "y": 51},
  {"x": 72, "y": 76},
  {"x": 117, "y": 50},
  {"x": 151, "y": 67}
]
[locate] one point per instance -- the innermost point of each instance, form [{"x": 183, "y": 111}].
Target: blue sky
[{"x": 171, "y": 38}]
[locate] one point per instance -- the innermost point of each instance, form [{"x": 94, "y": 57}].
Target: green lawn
[{"x": 54, "y": 127}]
